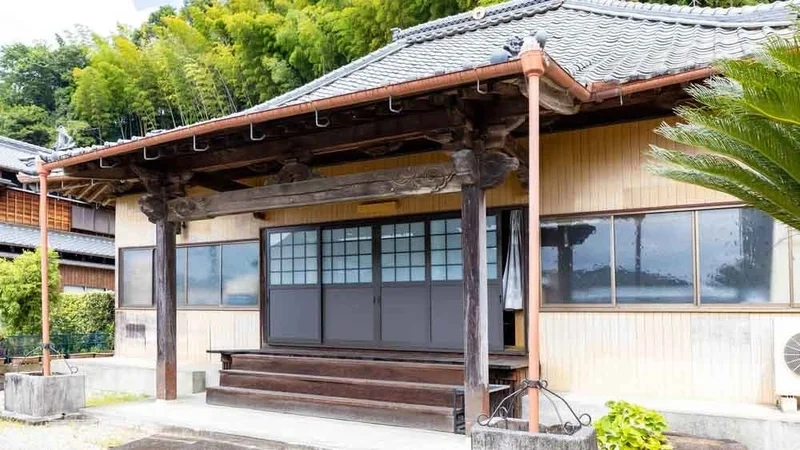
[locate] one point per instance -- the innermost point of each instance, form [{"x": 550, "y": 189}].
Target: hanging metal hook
[
  {"x": 194, "y": 145},
  {"x": 316, "y": 119},
  {"x": 391, "y": 107},
  {"x": 253, "y": 137},
  {"x": 478, "y": 84},
  {"x": 103, "y": 166},
  {"x": 150, "y": 158}
]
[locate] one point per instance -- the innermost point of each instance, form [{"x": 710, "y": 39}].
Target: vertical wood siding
[
  {"x": 23, "y": 208},
  {"x": 86, "y": 276},
  {"x": 699, "y": 356}
]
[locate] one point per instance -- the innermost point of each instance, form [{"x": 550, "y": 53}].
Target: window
[
  {"x": 742, "y": 252},
  {"x": 347, "y": 255},
  {"x": 704, "y": 257},
  {"x": 240, "y": 279},
  {"x": 203, "y": 280},
  {"x": 69, "y": 289},
  {"x": 446, "y": 257},
  {"x": 293, "y": 257},
  {"x": 180, "y": 275},
  {"x": 137, "y": 276},
  {"x": 654, "y": 258},
  {"x": 576, "y": 261},
  {"x": 403, "y": 252}
]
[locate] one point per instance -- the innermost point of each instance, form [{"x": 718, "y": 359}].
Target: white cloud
[{"x": 30, "y": 21}]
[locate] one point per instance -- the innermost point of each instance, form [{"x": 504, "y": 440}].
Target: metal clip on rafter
[
  {"x": 150, "y": 158},
  {"x": 392, "y": 108},
  {"x": 103, "y": 166},
  {"x": 317, "y": 121},
  {"x": 253, "y": 136},
  {"x": 503, "y": 408},
  {"x": 478, "y": 84},
  {"x": 194, "y": 145}
]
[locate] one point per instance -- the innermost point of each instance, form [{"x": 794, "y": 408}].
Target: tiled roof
[
  {"x": 593, "y": 40},
  {"x": 61, "y": 241},
  {"x": 13, "y": 152}
]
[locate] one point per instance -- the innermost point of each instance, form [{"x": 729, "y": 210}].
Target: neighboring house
[
  {"x": 81, "y": 233},
  {"x": 324, "y": 229}
]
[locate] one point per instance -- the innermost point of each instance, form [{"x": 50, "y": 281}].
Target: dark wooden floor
[{"x": 509, "y": 361}]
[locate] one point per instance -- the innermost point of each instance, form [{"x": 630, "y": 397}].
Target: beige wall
[{"x": 700, "y": 355}]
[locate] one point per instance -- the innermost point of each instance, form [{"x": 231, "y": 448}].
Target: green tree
[
  {"x": 747, "y": 125},
  {"x": 21, "y": 292},
  {"x": 27, "y": 123},
  {"x": 86, "y": 313}
]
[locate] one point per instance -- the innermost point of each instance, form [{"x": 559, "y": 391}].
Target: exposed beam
[
  {"x": 390, "y": 183},
  {"x": 217, "y": 183},
  {"x": 393, "y": 129}
]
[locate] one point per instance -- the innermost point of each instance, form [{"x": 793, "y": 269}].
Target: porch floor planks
[{"x": 499, "y": 361}]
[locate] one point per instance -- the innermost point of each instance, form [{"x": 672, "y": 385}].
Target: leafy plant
[
  {"x": 747, "y": 125},
  {"x": 84, "y": 313},
  {"x": 631, "y": 427},
  {"x": 21, "y": 291}
]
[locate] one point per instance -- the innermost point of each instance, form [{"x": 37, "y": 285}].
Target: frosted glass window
[
  {"x": 654, "y": 258},
  {"x": 347, "y": 255},
  {"x": 576, "y": 261},
  {"x": 293, "y": 257},
  {"x": 446, "y": 254},
  {"x": 403, "y": 252},
  {"x": 743, "y": 257},
  {"x": 137, "y": 277}
]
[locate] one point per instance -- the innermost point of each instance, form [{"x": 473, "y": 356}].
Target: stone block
[
  {"x": 31, "y": 394},
  {"x": 513, "y": 435}
]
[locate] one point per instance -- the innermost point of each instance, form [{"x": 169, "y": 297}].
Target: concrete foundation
[
  {"x": 136, "y": 376},
  {"x": 516, "y": 437},
  {"x": 31, "y": 394}
]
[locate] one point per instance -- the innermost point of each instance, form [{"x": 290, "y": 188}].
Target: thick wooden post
[
  {"x": 478, "y": 173},
  {"x": 161, "y": 188},
  {"x": 533, "y": 65},
  {"x": 43, "y": 249}
]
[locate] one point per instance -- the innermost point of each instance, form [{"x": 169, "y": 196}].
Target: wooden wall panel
[
  {"x": 86, "y": 276},
  {"x": 603, "y": 168},
  {"x": 702, "y": 356},
  {"x": 198, "y": 331},
  {"x": 23, "y": 208}
]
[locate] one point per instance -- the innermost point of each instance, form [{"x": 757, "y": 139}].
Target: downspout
[
  {"x": 43, "y": 252},
  {"x": 533, "y": 66}
]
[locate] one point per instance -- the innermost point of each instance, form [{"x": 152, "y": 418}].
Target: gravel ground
[{"x": 77, "y": 435}]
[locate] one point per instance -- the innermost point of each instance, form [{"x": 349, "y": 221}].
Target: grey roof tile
[
  {"x": 81, "y": 244},
  {"x": 609, "y": 41},
  {"x": 14, "y": 153}
]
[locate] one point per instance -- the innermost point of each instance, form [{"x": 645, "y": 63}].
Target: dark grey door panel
[
  {"x": 495, "y": 317},
  {"x": 294, "y": 315},
  {"x": 405, "y": 315},
  {"x": 349, "y": 314},
  {"x": 447, "y": 316}
]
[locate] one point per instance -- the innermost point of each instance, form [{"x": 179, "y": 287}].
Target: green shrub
[
  {"x": 631, "y": 427},
  {"x": 21, "y": 292},
  {"x": 84, "y": 313}
]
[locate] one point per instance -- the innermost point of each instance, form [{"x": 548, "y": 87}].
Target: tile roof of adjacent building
[
  {"x": 606, "y": 41},
  {"x": 14, "y": 152},
  {"x": 61, "y": 241}
]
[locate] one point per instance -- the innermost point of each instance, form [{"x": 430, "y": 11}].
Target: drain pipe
[
  {"x": 533, "y": 66},
  {"x": 43, "y": 250}
]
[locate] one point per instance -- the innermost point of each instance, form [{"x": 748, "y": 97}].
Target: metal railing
[{"x": 64, "y": 343}]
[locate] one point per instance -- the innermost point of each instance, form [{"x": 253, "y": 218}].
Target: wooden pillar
[
  {"x": 43, "y": 250},
  {"x": 161, "y": 188},
  {"x": 478, "y": 172},
  {"x": 533, "y": 65}
]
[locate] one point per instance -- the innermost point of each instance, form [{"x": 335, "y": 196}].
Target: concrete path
[
  {"x": 289, "y": 431},
  {"x": 210, "y": 442}
]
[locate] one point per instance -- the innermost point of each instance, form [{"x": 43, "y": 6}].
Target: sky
[{"x": 30, "y": 21}]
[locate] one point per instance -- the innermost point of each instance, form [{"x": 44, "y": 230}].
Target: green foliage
[
  {"x": 27, "y": 123},
  {"x": 748, "y": 124},
  {"x": 631, "y": 427},
  {"x": 112, "y": 398},
  {"x": 83, "y": 313},
  {"x": 21, "y": 292}
]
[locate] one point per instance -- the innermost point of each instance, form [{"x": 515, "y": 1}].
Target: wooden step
[
  {"x": 386, "y": 413},
  {"x": 449, "y": 374},
  {"x": 359, "y": 388}
]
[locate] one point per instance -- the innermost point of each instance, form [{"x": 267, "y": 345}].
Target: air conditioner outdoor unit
[{"x": 786, "y": 335}]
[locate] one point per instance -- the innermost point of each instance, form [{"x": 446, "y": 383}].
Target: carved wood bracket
[
  {"x": 486, "y": 169},
  {"x": 161, "y": 188}
]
